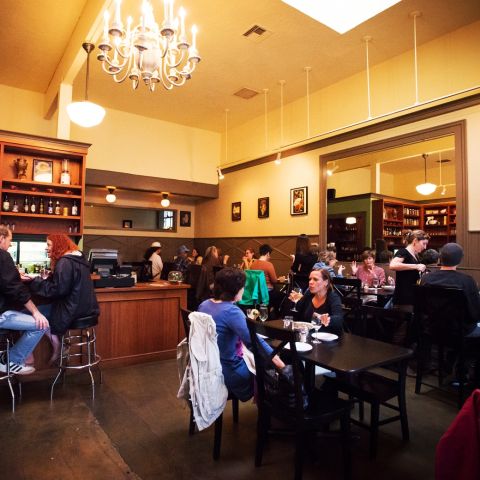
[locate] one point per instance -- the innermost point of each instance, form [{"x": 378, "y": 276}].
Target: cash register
[{"x": 104, "y": 262}]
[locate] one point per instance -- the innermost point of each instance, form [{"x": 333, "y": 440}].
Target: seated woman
[
  {"x": 303, "y": 261},
  {"x": 368, "y": 272},
  {"x": 322, "y": 299},
  {"x": 205, "y": 281},
  {"x": 328, "y": 260},
  {"x": 69, "y": 287},
  {"x": 231, "y": 329},
  {"x": 248, "y": 259}
]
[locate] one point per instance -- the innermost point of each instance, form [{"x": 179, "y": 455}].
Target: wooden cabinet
[
  {"x": 439, "y": 221},
  {"x": 31, "y": 174},
  {"x": 349, "y": 239}
]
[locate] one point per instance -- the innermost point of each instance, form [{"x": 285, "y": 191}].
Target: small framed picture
[
  {"x": 185, "y": 218},
  {"x": 127, "y": 224},
  {"x": 236, "y": 211},
  {"x": 264, "y": 207},
  {"x": 299, "y": 201},
  {"x": 42, "y": 170}
]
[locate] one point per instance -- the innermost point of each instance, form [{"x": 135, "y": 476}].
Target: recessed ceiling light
[{"x": 341, "y": 15}]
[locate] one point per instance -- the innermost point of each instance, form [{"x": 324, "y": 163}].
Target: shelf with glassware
[
  {"x": 42, "y": 184},
  {"x": 390, "y": 219},
  {"x": 439, "y": 221}
]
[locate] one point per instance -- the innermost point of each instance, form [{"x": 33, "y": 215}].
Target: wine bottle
[
  {"x": 58, "y": 210},
  {"x": 41, "y": 207},
  {"x": 74, "y": 208},
  {"x": 33, "y": 206},
  {"x": 50, "y": 207},
  {"x": 6, "y": 203},
  {"x": 15, "y": 206},
  {"x": 65, "y": 175},
  {"x": 26, "y": 205}
]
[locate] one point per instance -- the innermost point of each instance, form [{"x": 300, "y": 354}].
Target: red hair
[{"x": 61, "y": 244}]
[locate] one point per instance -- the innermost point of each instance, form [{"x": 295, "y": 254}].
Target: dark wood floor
[{"x": 137, "y": 429}]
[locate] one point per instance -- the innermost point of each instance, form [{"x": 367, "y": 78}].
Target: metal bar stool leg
[{"x": 61, "y": 368}]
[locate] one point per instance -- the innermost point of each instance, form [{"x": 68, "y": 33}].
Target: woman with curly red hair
[{"x": 69, "y": 286}]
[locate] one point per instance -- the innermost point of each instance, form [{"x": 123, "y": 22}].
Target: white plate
[
  {"x": 325, "y": 336},
  {"x": 300, "y": 346}
]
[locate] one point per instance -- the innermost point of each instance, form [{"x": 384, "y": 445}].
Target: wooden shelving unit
[
  {"x": 349, "y": 239},
  {"x": 15, "y": 146}
]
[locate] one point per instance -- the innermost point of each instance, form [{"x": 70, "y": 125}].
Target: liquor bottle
[
  {"x": 50, "y": 207},
  {"x": 15, "y": 206},
  {"x": 65, "y": 175},
  {"x": 74, "y": 208},
  {"x": 58, "y": 209},
  {"x": 33, "y": 206},
  {"x": 6, "y": 203},
  {"x": 41, "y": 207},
  {"x": 26, "y": 205}
]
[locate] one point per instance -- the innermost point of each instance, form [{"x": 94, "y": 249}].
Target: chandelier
[
  {"x": 425, "y": 188},
  {"x": 148, "y": 51}
]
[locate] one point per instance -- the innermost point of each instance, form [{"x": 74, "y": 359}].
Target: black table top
[{"x": 351, "y": 353}]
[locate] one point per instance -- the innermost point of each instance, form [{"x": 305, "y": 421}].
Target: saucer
[
  {"x": 300, "y": 346},
  {"x": 325, "y": 336}
]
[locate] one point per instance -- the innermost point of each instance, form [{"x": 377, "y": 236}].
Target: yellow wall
[{"x": 351, "y": 182}]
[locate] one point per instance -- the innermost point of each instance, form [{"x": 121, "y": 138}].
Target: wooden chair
[
  {"x": 167, "y": 268},
  {"x": 192, "y": 278},
  {"x": 349, "y": 290},
  {"x": 322, "y": 409},
  {"x": 440, "y": 317},
  {"x": 217, "y": 442}
]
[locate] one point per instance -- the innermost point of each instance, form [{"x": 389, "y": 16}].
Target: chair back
[
  {"x": 193, "y": 275},
  {"x": 440, "y": 312},
  {"x": 186, "y": 321},
  {"x": 167, "y": 268},
  {"x": 265, "y": 371},
  {"x": 348, "y": 287},
  {"x": 381, "y": 323},
  {"x": 143, "y": 270},
  {"x": 256, "y": 290}
]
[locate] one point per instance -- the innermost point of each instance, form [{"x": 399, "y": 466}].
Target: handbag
[{"x": 280, "y": 388}]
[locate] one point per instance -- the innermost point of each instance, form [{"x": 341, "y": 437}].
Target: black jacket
[
  {"x": 71, "y": 289},
  {"x": 12, "y": 290}
]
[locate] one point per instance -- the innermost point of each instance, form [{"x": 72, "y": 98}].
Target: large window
[{"x": 29, "y": 253}]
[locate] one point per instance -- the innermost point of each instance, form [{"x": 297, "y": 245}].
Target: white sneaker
[{"x": 16, "y": 368}]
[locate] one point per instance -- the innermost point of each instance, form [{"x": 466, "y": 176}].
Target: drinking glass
[
  {"x": 303, "y": 333},
  {"x": 375, "y": 282},
  {"x": 263, "y": 312},
  {"x": 287, "y": 322},
  {"x": 296, "y": 298},
  {"x": 317, "y": 324}
]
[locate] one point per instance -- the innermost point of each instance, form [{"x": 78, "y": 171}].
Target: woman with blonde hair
[{"x": 328, "y": 259}]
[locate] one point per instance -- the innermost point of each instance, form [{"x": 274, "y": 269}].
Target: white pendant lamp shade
[
  {"x": 351, "y": 220},
  {"x": 426, "y": 188},
  {"x": 165, "y": 202},
  {"x": 86, "y": 114},
  {"x": 111, "y": 197}
]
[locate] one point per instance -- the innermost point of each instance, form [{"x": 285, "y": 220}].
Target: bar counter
[{"x": 136, "y": 324}]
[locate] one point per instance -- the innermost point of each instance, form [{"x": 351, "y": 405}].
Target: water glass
[
  {"x": 288, "y": 322},
  {"x": 263, "y": 312},
  {"x": 303, "y": 332},
  {"x": 317, "y": 324},
  {"x": 375, "y": 282}
]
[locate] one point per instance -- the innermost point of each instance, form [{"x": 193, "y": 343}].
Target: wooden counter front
[
  {"x": 140, "y": 323},
  {"x": 136, "y": 324}
]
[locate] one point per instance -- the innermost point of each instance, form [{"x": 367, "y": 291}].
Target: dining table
[{"x": 382, "y": 295}]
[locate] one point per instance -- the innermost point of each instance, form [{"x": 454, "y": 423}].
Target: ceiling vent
[
  {"x": 246, "y": 93},
  {"x": 257, "y": 34}
]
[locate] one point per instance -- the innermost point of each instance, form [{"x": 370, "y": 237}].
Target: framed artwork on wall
[
  {"x": 42, "y": 170},
  {"x": 299, "y": 201},
  {"x": 127, "y": 224},
  {"x": 236, "y": 211},
  {"x": 264, "y": 207},
  {"x": 185, "y": 218}
]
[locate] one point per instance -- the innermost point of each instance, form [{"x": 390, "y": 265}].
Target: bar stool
[
  {"x": 8, "y": 375},
  {"x": 80, "y": 347}
]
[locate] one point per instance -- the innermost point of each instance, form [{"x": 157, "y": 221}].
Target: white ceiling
[{"x": 34, "y": 35}]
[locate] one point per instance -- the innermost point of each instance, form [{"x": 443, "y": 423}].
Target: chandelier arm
[{"x": 112, "y": 64}]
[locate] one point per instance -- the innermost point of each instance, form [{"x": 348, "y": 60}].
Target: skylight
[{"x": 341, "y": 15}]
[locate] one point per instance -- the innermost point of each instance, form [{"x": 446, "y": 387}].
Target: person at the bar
[
  {"x": 153, "y": 255},
  {"x": 69, "y": 287},
  {"x": 12, "y": 290}
]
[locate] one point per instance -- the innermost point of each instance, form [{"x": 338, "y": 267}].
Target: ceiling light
[
  {"x": 278, "y": 160},
  {"x": 165, "y": 201},
  {"x": 425, "y": 188},
  {"x": 331, "y": 167},
  {"x": 351, "y": 220},
  {"x": 221, "y": 176},
  {"x": 341, "y": 15},
  {"x": 151, "y": 52},
  {"x": 86, "y": 114},
  {"x": 444, "y": 190},
  {"x": 111, "y": 197}
]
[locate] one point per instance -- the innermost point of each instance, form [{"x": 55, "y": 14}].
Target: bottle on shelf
[
  {"x": 15, "y": 206},
  {"x": 26, "y": 205},
  {"x": 41, "y": 207},
  {"x": 6, "y": 203},
  {"x": 74, "y": 208},
  {"x": 58, "y": 209},
  {"x": 50, "y": 207},
  {"x": 33, "y": 206},
  {"x": 65, "y": 175}
]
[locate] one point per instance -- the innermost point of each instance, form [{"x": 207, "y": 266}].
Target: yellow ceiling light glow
[{"x": 341, "y": 15}]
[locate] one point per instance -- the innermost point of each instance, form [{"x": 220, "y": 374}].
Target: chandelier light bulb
[
  {"x": 111, "y": 197},
  {"x": 165, "y": 201}
]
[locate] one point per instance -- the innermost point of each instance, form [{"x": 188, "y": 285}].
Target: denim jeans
[{"x": 13, "y": 320}]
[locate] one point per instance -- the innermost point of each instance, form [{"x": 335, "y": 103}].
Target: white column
[{"x": 64, "y": 98}]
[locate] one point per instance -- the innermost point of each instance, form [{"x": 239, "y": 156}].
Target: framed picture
[
  {"x": 185, "y": 218},
  {"x": 264, "y": 207},
  {"x": 42, "y": 170},
  {"x": 127, "y": 224},
  {"x": 236, "y": 211},
  {"x": 299, "y": 201}
]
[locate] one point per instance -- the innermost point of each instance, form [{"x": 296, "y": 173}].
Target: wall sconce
[
  {"x": 111, "y": 197},
  {"x": 221, "y": 176},
  {"x": 350, "y": 220},
  {"x": 278, "y": 160},
  {"x": 331, "y": 167},
  {"x": 165, "y": 201}
]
